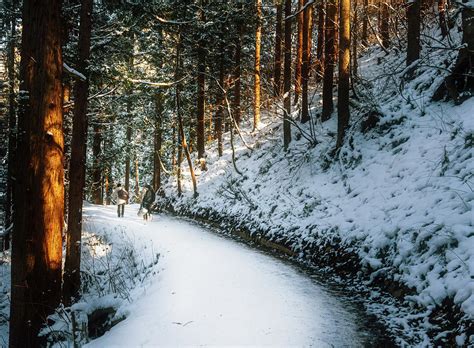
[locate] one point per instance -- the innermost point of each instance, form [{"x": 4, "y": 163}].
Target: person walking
[
  {"x": 147, "y": 202},
  {"x": 120, "y": 195}
]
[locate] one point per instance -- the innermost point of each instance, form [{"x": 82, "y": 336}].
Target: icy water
[{"x": 214, "y": 291}]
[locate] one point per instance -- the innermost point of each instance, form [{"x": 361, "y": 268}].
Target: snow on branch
[
  {"x": 157, "y": 84},
  {"x": 74, "y": 72}
]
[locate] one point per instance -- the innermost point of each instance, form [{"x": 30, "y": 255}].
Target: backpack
[
  {"x": 149, "y": 197},
  {"x": 122, "y": 194}
]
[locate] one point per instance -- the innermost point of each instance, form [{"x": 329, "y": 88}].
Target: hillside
[{"x": 394, "y": 207}]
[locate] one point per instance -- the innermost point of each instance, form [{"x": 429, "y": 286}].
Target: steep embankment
[{"x": 395, "y": 206}]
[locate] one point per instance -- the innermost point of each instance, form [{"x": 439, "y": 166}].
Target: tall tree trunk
[
  {"x": 157, "y": 141},
  {"x": 137, "y": 177},
  {"x": 72, "y": 271},
  {"x": 329, "y": 59},
  {"x": 237, "y": 71},
  {"x": 355, "y": 39},
  {"x": 299, "y": 51},
  {"x": 442, "y": 17},
  {"x": 256, "y": 87},
  {"x": 413, "y": 31},
  {"x": 174, "y": 147},
  {"x": 129, "y": 130},
  {"x": 307, "y": 41},
  {"x": 179, "y": 160},
  {"x": 12, "y": 126},
  {"x": 128, "y": 145},
  {"x": 184, "y": 145},
  {"x": 287, "y": 77},
  {"x": 344, "y": 71},
  {"x": 385, "y": 19},
  {"x": 220, "y": 103},
  {"x": 210, "y": 133},
  {"x": 96, "y": 164},
  {"x": 277, "y": 55},
  {"x": 320, "y": 44},
  {"x": 201, "y": 81},
  {"x": 365, "y": 23},
  {"x": 39, "y": 186},
  {"x": 107, "y": 181}
]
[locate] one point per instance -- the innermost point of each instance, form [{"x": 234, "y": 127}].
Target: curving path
[{"x": 214, "y": 291}]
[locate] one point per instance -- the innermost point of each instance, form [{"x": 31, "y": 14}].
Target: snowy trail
[{"x": 213, "y": 291}]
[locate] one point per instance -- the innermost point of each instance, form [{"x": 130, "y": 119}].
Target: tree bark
[
  {"x": 413, "y": 31},
  {"x": 201, "y": 84},
  {"x": 384, "y": 29},
  {"x": 320, "y": 47},
  {"x": 329, "y": 59},
  {"x": 442, "y": 18},
  {"x": 299, "y": 51},
  {"x": 137, "y": 177},
  {"x": 157, "y": 143},
  {"x": 343, "y": 112},
  {"x": 128, "y": 138},
  {"x": 365, "y": 23},
  {"x": 12, "y": 126},
  {"x": 287, "y": 78},
  {"x": 72, "y": 271},
  {"x": 277, "y": 55},
  {"x": 237, "y": 71},
  {"x": 220, "y": 103},
  {"x": 39, "y": 188},
  {"x": 355, "y": 39},
  {"x": 307, "y": 41},
  {"x": 96, "y": 164},
  {"x": 184, "y": 145},
  {"x": 257, "y": 88}
]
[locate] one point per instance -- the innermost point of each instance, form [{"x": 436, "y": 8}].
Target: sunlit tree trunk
[
  {"x": 307, "y": 41},
  {"x": 72, "y": 274},
  {"x": 257, "y": 88},
  {"x": 329, "y": 59},
  {"x": 299, "y": 51},
  {"x": 39, "y": 186},
  {"x": 344, "y": 71},
  {"x": 287, "y": 77}
]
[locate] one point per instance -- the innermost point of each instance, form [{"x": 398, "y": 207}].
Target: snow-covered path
[{"x": 214, "y": 291}]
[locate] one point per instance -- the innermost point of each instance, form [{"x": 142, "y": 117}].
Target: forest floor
[{"x": 395, "y": 206}]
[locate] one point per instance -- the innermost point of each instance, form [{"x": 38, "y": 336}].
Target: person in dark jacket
[{"x": 147, "y": 201}]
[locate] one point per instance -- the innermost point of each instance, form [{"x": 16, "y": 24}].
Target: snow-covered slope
[{"x": 399, "y": 196}]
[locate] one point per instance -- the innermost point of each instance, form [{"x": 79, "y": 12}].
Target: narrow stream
[{"x": 215, "y": 291}]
